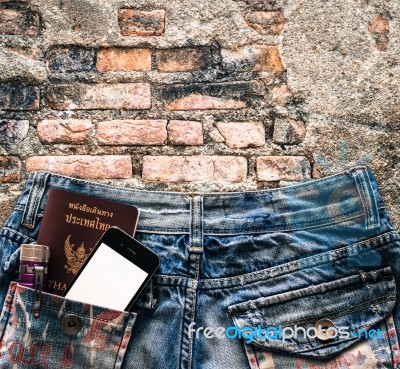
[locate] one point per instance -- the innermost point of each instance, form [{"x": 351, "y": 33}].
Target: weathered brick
[
  {"x": 119, "y": 59},
  {"x": 194, "y": 168},
  {"x": 13, "y": 131},
  {"x": 10, "y": 169},
  {"x": 134, "y": 22},
  {"x": 19, "y": 22},
  {"x": 70, "y": 59},
  {"x": 73, "y": 131},
  {"x": 132, "y": 132},
  {"x": 239, "y": 135},
  {"x": 266, "y": 23},
  {"x": 379, "y": 28},
  {"x": 18, "y": 96},
  {"x": 286, "y": 168},
  {"x": 204, "y": 96},
  {"x": 127, "y": 96},
  {"x": 185, "y": 59},
  {"x": 254, "y": 58},
  {"x": 183, "y": 132},
  {"x": 289, "y": 131},
  {"x": 83, "y": 166},
  {"x": 280, "y": 94}
]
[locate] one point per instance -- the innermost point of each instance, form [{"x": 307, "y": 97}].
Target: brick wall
[{"x": 188, "y": 96}]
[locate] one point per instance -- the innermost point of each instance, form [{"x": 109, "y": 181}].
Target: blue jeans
[{"x": 319, "y": 251}]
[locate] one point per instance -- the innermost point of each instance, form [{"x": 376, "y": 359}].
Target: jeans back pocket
[
  {"x": 345, "y": 323},
  {"x": 67, "y": 333}
]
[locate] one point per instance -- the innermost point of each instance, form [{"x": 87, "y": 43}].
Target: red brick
[
  {"x": 134, "y": 22},
  {"x": 73, "y": 131},
  {"x": 183, "y": 132},
  {"x": 127, "y": 96},
  {"x": 13, "y": 131},
  {"x": 207, "y": 96},
  {"x": 10, "y": 169},
  {"x": 18, "y": 96},
  {"x": 289, "y": 131},
  {"x": 186, "y": 59},
  {"x": 19, "y": 22},
  {"x": 119, "y": 59},
  {"x": 194, "y": 168},
  {"x": 253, "y": 58},
  {"x": 83, "y": 166},
  {"x": 266, "y": 23},
  {"x": 239, "y": 135},
  {"x": 283, "y": 168},
  {"x": 132, "y": 132},
  {"x": 379, "y": 28}
]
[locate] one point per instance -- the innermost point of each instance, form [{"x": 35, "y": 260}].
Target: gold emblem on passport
[{"x": 75, "y": 258}]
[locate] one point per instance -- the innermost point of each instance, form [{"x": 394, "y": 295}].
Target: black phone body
[{"x": 115, "y": 272}]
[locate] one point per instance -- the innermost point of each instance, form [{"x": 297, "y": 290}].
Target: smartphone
[{"x": 115, "y": 272}]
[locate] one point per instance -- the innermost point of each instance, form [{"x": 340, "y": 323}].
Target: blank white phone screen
[{"x": 108, "y": 280}]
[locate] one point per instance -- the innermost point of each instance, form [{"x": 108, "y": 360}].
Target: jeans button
[
  {"x": 325, "y": 330},
  {"x": 71, "y": 324}
]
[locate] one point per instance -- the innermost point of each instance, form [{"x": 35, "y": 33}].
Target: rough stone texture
[
  {"x": 111, "y": 166},
  {"x": 336, "y": 69},
  {"x": 13, "y": 131},
  {"x": 289, "y": 131},
  {"x": 239, "y": 135},
  {"x": 141, "y": 23},
  {"x": 116, "y": 59},
  {"x": 286, "y": 168},
  {"x": 99, "y": 96},
  {"x": 74, "y": 131},
  {"x": 14, "y": 66},
  {"x": 132, "y": 132},
  {"x": 10, "y": 168},
  {"x": 187, "y": 133},
  {"x": 194, "y": 168}
]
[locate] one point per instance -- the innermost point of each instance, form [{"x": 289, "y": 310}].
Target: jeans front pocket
[
  {"x": 67, "y": 334},
  {"x": 357, "y": 308}
]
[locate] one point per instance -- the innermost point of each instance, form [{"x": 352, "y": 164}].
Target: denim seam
[
  {"x": 335, "y": 285},
  {"x": 339, "y": 313},
  {"x": 383, "y": 240},
  {"x": 67, "y": 311},
  {"x": 233, "y": 194},
  {"x": 260, "y": 275}
]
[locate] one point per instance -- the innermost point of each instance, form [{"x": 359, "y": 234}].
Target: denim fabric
[{"x": 322, "y": 249}]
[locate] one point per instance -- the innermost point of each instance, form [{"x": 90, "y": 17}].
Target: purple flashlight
[{"x": 33, "y": 264}]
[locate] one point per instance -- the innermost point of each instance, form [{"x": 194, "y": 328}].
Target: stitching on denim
[
  {"x": 19, "y": 234},
  {"x": 248, "y": 277},
  {"x": 67, "y": 311},
  {"x": 231, "y": 193},
  {"x": 338, "y": 313}
]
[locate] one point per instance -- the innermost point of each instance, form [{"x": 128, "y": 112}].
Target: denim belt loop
[
  {"x": 367, "y": 196},
  {"x": 196, "y": 225},
  {"x": 36, "y": 193}
]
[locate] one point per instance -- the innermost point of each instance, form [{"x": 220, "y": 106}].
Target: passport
[{"x": 71, "y": 226}]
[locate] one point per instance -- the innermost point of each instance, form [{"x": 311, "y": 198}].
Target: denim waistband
[{"x": 334, "y": 199}]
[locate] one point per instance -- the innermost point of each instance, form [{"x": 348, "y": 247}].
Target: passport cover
[{"x": 72, "y": 225}]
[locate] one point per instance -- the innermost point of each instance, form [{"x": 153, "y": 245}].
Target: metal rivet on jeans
[
  {"x": 71, "y": 324},
  {"x": 323, "y": 331}
]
